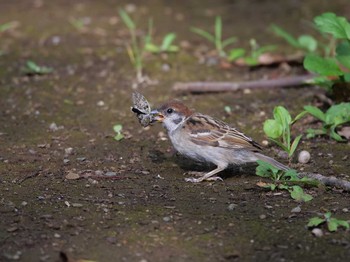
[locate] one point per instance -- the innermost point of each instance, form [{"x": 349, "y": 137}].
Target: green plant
[
  {"x": 216, "y": 38},
  {"x": 337, "y": 67},
  {"x": 335, "y": 116},
  {"x": 118, "y": 130},
  {"x": 250, "y": 57},
  {"x": 332, "y": 223},
  {"x": 305, "y": 42},
  {"x": 78, "y": 23},
  {"x": 137, "y": 47},
  {"x": 279, "y": 129},
  {"x": 284, "y": 180},
  {"x": 166, "y": 45},
  {"x": 32, "y": 68}
]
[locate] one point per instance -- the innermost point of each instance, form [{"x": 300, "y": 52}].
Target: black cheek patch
[{"x": 177, "y": 120}]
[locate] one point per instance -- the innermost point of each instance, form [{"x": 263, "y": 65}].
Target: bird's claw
[{"x": 198, "y": 180}]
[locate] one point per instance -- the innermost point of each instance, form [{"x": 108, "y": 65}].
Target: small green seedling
[
  {"x": 284, "y": 180},
  {"x": 118, "y": 130},
  {"x": 304, "y": 42},
  {"x": 335, "y": 116},
  {"x": 216, "y": 38},
  {"x": 279, "y": 129},
  {"x": 33, "y": 69},
  {"x": 78, "y": 23},
  {"x": 332, "y": 223},
  {"x": 8, "y": 26},
  {"x": 250, "y": 58},
  {"x": 167, "y": 45}
]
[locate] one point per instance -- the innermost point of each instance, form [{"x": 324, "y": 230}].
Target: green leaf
[
  {"x": 338, "y": 26},
  {"x": 285, "y": 35},
  {"x": 343, "y": 223},
  {"x": 315, "y": 221},
  {"x": 338, "y": 114},
  {"x": 218, "y": 28},
  {"x": 291, "y": 174},
  {"x": 262, "y": 50},
  {"x": 118, "y": 137},
  {"x": 308, "y": 42},
  {"x": 299, "y": 116},
  {"x": 203, "y": 34},
  {"x": 167, "y": 41},
  {"x": 7, "y": 26},
  {"x": 328, "y": 215},
  {"x": 117, "y": 128},
  {"x": 229, "y": 41},
  {"x": 150, "y": 47},
  {"x": 236, "y": 53},
  {"x": 316, "y": 112},
  {"x": 347, "y": 77},
  {"x": 343, "y": 53},
  {"x": 298, "y": 194},
  {"x": 272, "y": 128},
  {"x": 265, "y": 169},
  {"x": 332, "y": 225},
  {"x": 294, "y": 145},
  {"x": 333, "y": 134},
  {"x": 127, "y": 20},
  {"x": 322, "y": 66},
  {"x": 282, "y": 116}
]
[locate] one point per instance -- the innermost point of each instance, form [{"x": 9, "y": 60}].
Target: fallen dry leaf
[{"x": 345, "y": 132}]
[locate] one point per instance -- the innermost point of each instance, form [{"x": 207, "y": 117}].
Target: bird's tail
[{"x": 272, "y": 161}]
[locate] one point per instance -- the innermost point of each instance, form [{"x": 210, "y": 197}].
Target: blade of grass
[{"x": 203, "y": 34}]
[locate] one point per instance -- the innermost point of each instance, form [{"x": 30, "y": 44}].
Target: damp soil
[{"x": 67, "y": 186}]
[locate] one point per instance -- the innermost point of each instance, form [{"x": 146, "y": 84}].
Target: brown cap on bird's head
[{"x": 170, "y": 107}]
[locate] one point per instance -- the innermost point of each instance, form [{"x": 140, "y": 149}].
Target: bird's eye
[{"x": 169, "y": 110}]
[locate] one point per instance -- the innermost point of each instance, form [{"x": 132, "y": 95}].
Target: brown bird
[{"x": 206, "y": 139}]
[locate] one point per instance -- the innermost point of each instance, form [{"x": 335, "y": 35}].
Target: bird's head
[{"x": 171, "y": 114}]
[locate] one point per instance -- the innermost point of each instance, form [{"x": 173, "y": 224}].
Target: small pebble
[
  {"x": 68, "y": 151},
  {"x": 53, "y": 127},
  {"x": 262, "y": 216},
  {"x": 98, "y": 173},
  {"x": 109, "y": 173},
  {"x": 100, "y": 103},
  {"x": 231, "y": 207},
  {"x": 165, "y": 67},
  {"x": 72, "y": 176},
  {"x": 65, "y": 161},
  {"x": 166, "y": 219},
  {"x": 296, "y": 209},
  {"x": 317, "y": 232},
  {"x": 304, "y": 157}
]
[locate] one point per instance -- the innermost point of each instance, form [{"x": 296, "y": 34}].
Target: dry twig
[{"x": 207, "y": 87}]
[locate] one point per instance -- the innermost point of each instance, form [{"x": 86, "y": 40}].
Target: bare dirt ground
[{"x": 57, "y": 127}]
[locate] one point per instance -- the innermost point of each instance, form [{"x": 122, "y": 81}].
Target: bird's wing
[{"x": 205, "y": 130}]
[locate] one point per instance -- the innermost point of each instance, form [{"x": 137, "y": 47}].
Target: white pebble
[
  {"x": 304, "y": 157},
  {"x": 317, "y": 232}
]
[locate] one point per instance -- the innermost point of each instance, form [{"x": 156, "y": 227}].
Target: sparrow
[{"x": 206, "y": 139}]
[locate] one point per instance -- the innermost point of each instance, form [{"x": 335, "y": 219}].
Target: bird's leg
[{"x": 208, "y": 176}]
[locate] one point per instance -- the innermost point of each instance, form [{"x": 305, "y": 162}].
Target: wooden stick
[
  {"x": 207, "y": 87},
  {"x": 328, "y": 181}
]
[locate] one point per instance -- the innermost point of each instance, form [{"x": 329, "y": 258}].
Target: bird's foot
[
  {"x": 201, "y": 179},
  {"x": 195, "y": 173}
]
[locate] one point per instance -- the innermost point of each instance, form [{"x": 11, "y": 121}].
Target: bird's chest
[{"x": 185, "y": 146}]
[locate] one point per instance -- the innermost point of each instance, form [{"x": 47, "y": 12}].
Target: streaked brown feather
[{"x": 205, "y": 130}]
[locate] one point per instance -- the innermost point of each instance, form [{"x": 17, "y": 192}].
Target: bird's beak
[{"x": 157, "y": 116}]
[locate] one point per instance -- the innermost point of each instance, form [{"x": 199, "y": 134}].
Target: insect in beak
[{"x": 157, "y": 116}]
